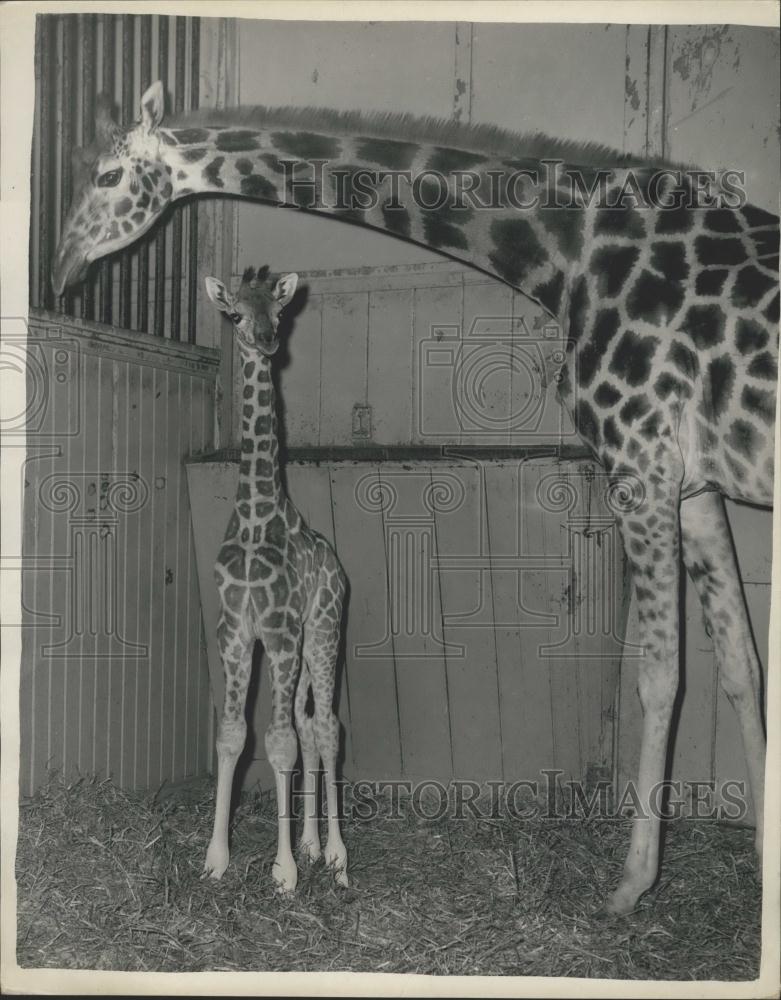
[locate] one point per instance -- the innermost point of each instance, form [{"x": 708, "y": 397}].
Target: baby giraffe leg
[
  {"x": 321, "y": 650},
  {"x": 282, "y": 750},
  {"x": 310, "y": 836},
  {"x": 710, "y": 560},
  {"x": 236, "y": 654}
]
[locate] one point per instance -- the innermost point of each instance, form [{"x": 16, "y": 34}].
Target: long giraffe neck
[
  {"x": 259, "y": 477},
  {"x": 408, "y": 189}
]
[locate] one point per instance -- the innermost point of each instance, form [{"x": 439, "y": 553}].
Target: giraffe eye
[
  {"x": 235, "y": 317},
  {"x": 110, "y": 179}
]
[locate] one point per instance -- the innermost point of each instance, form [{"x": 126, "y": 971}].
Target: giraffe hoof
[
  {"x": 285, "y": 875},
  {"x": 216, "y": 862},
  {"x": 336, "y": 860},
  {"x": 310, "y": 851},
  {"x": 621, "y": 902}
]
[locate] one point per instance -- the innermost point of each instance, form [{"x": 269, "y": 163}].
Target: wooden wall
[
  {"x": 113, "y": 675},
  {"x": 485, "y": 614}
]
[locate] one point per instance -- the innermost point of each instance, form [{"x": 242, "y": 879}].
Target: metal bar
[
  {"x": 126, "y": 259},
  {"x": 106, "y": 284},
  {"x": 142, "y": 302},
  {"x": 88, "y": 26},
  {"x": 48, "y": 85},
  {"x": 162, "y": 70},
  {"x": 192, "y": 257},
  {"x": 69, "y": 118},
  {"x": 176, "y": 237}
]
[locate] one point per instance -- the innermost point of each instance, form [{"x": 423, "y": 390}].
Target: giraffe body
[
  {"x": 671, "y": 310},
  {"x": 280, "y": 583}
]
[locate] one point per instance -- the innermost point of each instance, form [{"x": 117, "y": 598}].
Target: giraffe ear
[
  {"x": 105, "y": 126},
  {"x": 152, "y": 106},
  {"x": 219, "y": 294},
  {"x": 285, "y": 288}
]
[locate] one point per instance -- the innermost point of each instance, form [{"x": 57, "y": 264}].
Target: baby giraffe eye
[
  {"x": 110, "y": 179},
  {"x": 236, "y": 317}
]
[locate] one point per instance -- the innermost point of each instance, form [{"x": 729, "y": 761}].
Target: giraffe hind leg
[
  {"x": 310, "y": 757},
  {"x": 709, "y": 556}
]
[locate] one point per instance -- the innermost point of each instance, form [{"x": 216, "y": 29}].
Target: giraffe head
[
  {"x": 121, "y": 186},
  {"x": 255, "y": 309}
]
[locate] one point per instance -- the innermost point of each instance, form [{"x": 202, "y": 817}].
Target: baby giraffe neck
[{"x": 259, "y": 478}]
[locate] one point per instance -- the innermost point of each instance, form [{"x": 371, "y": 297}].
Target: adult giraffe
[{"x": 672, "y": 311}]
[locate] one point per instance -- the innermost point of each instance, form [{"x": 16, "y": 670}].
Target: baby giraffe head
[
  {"x": 121, "y": 186},
  {"x": 255, "y": 309}
]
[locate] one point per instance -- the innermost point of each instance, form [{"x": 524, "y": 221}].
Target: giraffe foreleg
[
  {"x": 236, "y": 655},
  {"x": 321, "y": 650},
  {"x": 282, "y": 746},
  {"x": 310, "y": 836},
  {"x": 651, "y": 540},
  {"x": 709, "y": 556}
]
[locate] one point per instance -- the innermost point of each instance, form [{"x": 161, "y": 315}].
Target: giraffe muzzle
[{"x": 70, "y": 266}]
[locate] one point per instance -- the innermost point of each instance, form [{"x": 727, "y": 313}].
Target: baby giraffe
[{"x": 279, "y": 582}]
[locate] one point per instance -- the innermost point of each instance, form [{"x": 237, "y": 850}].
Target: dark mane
[{"x": 489, "y": 139}]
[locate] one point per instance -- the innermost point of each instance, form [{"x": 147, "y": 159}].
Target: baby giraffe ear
[
  {"x": 219, "y": 294},
  {"x": 152, "y": 106},
  {"x": 285, "y": 288}
]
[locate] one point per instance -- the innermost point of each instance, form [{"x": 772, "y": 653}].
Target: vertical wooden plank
[
  {"x": 53, "y": 525},
  {"x": 483, "y": 382},
  {"x": 567, "y": 750},
  {"x": 165, "y": 566},
  {"x": 199, "y": 704},
  {"x": 29, "y": 637},
  {"x": 68, "y": 118},
  {"x": 180, "y": 35},
  {"x": 467, "y": 609},
  {"x": 154, "y": 577},
  {"x": 416, "y": 620},
  {"x": 299, "y": 379},
  {"x": 361, "y": 548},
  {"x": 34, "y": 260},
  {"x": 158, "y": 326},
  {"x": 343, "y": 379},
  {"x": 537, "y": 587},
  {"x": 192, "y": 210},
  {"x": 48, "y": 175},
  {"x": 524, "y": 687},
  {"x": 438, "y": 316},
  {"x": 129, "y": 434},
  {"x": 181, "y": 528},
  {"x": 636, "y": 88},
  {"x": 70, "y": 667},
  {"x": 97, "y": 488},
  {"x": 106, "y": 266},
  {"x": 389, "y": 380},
  {"x": 88, "y": 24}
]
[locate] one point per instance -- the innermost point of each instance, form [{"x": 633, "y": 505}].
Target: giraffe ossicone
[
  {"x": 670, "y": 306},
  {"x": 279, "y": 582}
]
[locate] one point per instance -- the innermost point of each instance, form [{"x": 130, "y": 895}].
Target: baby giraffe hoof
[
  {"x": 216, "y": 862},
  {"x": 310, "y": 850},
  {"x": 285, "y": 875},
  {"x": 336, "y": 860}
]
